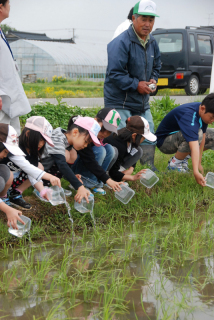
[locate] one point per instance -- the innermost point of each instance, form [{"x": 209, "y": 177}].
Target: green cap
[{"x": 145, "y": 8}]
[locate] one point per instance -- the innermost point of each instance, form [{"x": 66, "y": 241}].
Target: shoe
[
  {"x": 37, "y": 194},
  {"x": 6, "y": 201},
  {"x": 99, "y": 191},
  {"x": 17, "y": 201},
  {"x": 177, "y": 166},
  {"x": 185, "y": 162},
  {"x": 67, "y": 193}
]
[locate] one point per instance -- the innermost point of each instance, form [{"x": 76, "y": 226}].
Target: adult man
[
  {"x": 13, "y": 101},
  {"x": 133, "y": 64}
]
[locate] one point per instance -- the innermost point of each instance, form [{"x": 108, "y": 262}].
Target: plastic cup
[
  {"x": 56, "y": 195},
  {"x": 83, "y": 206},
  {"x": 125, "y": 194},
  {"x": 22, "y": 229},
  {"x": 210, "y": 180},
  {"x": 149, "y": 178}
]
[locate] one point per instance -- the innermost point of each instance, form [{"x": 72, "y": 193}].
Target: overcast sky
[{"x": 94, "y": 21}]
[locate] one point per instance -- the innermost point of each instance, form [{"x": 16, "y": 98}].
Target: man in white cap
[{"x": 134, "y": 64}]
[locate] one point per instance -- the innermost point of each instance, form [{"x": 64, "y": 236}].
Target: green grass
[{"x": 80, "y": 88}]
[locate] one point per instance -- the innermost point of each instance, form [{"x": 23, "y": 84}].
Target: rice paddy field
[{"x": 150, "y": 259}]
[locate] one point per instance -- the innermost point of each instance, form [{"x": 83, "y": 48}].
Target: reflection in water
[{"x": 161, "y": 286}]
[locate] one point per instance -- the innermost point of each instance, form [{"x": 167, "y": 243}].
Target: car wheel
[
  {"x": 192, "y": 87},
  {"x": 154, "y": 93},
  {"x": 202, "y": 90}
]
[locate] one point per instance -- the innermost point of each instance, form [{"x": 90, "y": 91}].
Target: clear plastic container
[
  {"x": 56, "y": 195},
  {"x": 210, "y": 180},
  {"x": 149, "y": 178},
  {"x": 83, "y": 206},
  {"x": 22, "y": 229},
  {"x": 125, "y": 194}
]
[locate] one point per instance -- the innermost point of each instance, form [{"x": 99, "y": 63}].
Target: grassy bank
[{"x": 78, "y": 89}]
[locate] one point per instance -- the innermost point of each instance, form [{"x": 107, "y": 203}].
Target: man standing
[
  {"x": 13, "y": 101},
  {"x": 134, "y": 64}
]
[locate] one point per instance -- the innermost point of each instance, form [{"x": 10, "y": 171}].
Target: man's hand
[
  {"x": 143, "y": 87},
  {"x": 114, "y": 185},
  {"x": 200, "y": 179},
  {"x": 0, "y": 103}
]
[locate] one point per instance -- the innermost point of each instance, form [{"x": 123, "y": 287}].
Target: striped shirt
[{"x": 60, "y": 143}]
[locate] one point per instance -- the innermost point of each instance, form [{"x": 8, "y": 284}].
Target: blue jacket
[{"x": 129, "y": 63}]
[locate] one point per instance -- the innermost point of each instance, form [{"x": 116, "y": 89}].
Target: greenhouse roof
[{"x": 72, "y": 54}]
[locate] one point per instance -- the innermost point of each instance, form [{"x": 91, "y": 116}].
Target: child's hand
[
  {"x": 138, "y": 175},
  {"x": 79, "y": 177},
  {"x": 45, "y": 193},
  {"x": 12, "y": 217},
  {"x": 0, "y": 103},
  {"x": 55, "y": 181},
  {"x": 82, "y": 193},
  {"x": 201, "y": 169},
  {"x": 200, "y": 179},
  {"x": 114, "y": 184}
]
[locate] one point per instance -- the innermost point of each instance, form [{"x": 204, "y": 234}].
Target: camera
[{"x": 152, "y": 86}]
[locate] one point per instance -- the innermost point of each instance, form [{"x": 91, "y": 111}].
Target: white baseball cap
[
  {"x": 140, "y": 125},
  {"x": 145, "y": 8},
  {"x": 9, "y": 137}
]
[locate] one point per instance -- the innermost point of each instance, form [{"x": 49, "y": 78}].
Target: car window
[
  {"x": 169, "y": 42},
  {"x": 192, "y": 42},
  {"x": 204, "y": 44}
]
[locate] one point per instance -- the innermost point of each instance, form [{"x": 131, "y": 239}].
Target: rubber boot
[{"x": 148, "y": 156}]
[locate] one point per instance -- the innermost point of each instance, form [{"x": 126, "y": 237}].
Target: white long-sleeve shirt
[{"x": 34, "y": 173}]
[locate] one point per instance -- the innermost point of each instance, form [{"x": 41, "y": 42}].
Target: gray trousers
[
  {"x": 176, "y": 142},
  {"x": 4, "y": 176}
]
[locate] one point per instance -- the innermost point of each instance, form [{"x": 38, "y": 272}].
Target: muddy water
[{"x": 184, "y": 292}]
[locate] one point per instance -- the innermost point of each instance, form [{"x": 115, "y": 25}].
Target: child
[
  {"x": 93, "y": 161},
  {"x": 181, "y": 132},
  {"x": 26, "y": 171},
  {"x": 128, "y": 145},
  {"x": 81, "y": 131},
  {"x": 6, "y": 178}
]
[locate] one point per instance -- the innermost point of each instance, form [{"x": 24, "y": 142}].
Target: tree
[{"x": 5, "y": 28}]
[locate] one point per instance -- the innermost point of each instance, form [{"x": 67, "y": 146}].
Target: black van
[{"x": 186, "y": 57}]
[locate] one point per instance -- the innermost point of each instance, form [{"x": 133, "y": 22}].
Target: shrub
[{"x": 58, "y": 115}]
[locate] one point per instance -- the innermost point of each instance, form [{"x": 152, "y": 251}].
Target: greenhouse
[{"x": 46, "y": 59}]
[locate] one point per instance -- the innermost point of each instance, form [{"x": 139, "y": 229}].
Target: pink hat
[
  {"x": 92, "y": 126},
  {"x": 41, "y": 125},
  {"x": 110, "y": 119}
]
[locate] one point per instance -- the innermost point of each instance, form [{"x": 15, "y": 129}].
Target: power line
[{"x": 71, "y": 29}]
